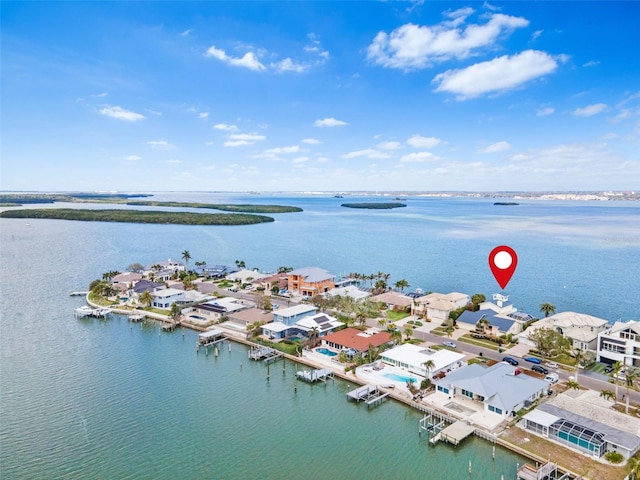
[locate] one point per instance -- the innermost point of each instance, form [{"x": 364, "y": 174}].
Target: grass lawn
[
  {"x": 479, "y": 342},
  {"x": 394, "y": 316},
  {"x": 439, "y": 331}
]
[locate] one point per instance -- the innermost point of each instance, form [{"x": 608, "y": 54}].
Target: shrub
[{"x": 613, "y": 457}]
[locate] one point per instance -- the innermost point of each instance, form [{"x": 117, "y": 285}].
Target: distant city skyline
[{"x": 320, "y": 96}]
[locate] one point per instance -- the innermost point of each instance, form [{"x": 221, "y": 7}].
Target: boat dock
[
  {"x": 369, "y": 394},
  {"x": 136, "y": 317},
  {"x": 267, "y": 354},
  {"x": 313, "y": 376},
  {"x": 454, "y": 433},
  {"x": 78, "y": 294},
  {"x": 210, "y": 338},
  {"x": 86, "y": 311}
]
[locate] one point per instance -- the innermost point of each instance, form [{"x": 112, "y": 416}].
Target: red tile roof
[{"x": 353, "y": 338}]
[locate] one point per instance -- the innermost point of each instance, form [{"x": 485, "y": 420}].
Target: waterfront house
[
  {"x": 412, "y": 358},
  {"x": 586, "y": 422},
  {"x": 580, "y": 328},
  {"x": 501, "y": 315},
  {"x": 213, "y": 271},
  {"x": 164, "y": 298},
  {"x": 146, "y": 286},
  {"x": 279, "y": 280},
  {"x": 242, "y": 318},
  {"x": 164, "y": 271},
  {"x": 245, "y": 276},
  {"x": 310, "y": 281},
  {"x": 501, "y": 388},
  {"x": 348, "y": 291},
  {"x": 125, "y": 281},
  {"x": 438, "y": 306},
  {"x": 394, "y": 300},
  {"x": 620, "y": 343},
  {"x": 300, "y": 320},
  {"x": 214, "y": 310},
  {"x": 354, "y": 341}
]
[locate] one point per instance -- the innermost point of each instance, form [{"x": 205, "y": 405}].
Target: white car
[
  {"x": 448, "y": 343},
  {"x": 553, "y": 365},
  {"x": 551, "y": 378}
]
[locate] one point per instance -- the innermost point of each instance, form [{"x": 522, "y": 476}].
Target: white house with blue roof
[
  {"x": 501, "y": 388},
  {"x": 299, "y": 320},
  {"x": 502, "y": 316}
]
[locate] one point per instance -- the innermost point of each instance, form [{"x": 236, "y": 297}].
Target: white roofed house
[
  {"x": 438, "y": 306},
  {"x": 413, "y": 358},
  {"x": 580, "y": 328},
  {"x": 300, "y": 320},
  {"x": 500, "y": 388},
  {"x": 620, "y": 343},
  {"x": 164, "y": 298},
  {"x": 164, "y": 271}
]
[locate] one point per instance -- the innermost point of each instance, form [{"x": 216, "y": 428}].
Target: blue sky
[{"x": 320, "y": 96}]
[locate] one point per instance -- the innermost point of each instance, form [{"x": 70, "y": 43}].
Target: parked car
[
  {"x": 540, "y": 369},
  {"x": 449, "y": 343},
  {"x": 535, "y": 360},
  {"x": 551, "y": 378},
  {"x": 608, "y": 369},
  {"x": 511, "y": 361},
  {"x": 553, "y": 365}
]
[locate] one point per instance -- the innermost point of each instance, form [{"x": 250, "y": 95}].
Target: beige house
[
  {"x": 580, "y": 328},
  {"x": 394, "y": 300},
  {"x": 438, "y": 306}
]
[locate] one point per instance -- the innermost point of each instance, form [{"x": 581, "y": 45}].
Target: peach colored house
[{"x": 310, "y": 281}]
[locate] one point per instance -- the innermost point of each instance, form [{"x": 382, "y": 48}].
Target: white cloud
[
  {"x": 300, "y": 160},
  {"x": 288, "y": 65},
  {"x": 497, "y": 75},
  {"x": 589, "y": 110},
  {"x": 535, "y": 35},
  {"x": 237, "y": 143},
  {"x": 545, "y": 111},
  {"x": 280, "y": 150},
  {"x": 203, "y": 115},
  {"x": 249, "y": 137},
  {"x": 311, "y": 141},
  {"x": 160, "y": 144},
  {"x": 418, "y": 157},
  {"x": 418, "y": 141},
  {"x": 368, "y": 153},
  {"x": 412, "y": 46},
  {"x": 154, "y": 112},
  {"x": 173, "y": 162},
  {"x": 495, "y": 147},
  {"x": 248, "y": 60},
  {"x": 100, "y": 95},
  {"x": 329, "y": 122},
  {"x": 225, "y": 127},
  {"x": 120, "y": 113},
  {"x": 185, "y": 33},
  {"x": 132, "y": 158},
  {"x": 390, "y": 145},
  {"x": 591, "y": 63}
]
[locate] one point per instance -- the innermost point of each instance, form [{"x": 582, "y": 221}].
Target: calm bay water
[{"x": 91, "y": 399}]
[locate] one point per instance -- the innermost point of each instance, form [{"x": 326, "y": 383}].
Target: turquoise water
[
  {"x": 109, "y": 399},
  {"x": 326, "y": 351},
  {"x": 400, "y": 378}
]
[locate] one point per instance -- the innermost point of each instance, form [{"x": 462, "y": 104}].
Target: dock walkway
[
  {"x": 312, "y": 376},
  {"x": 369, "y": 394},
  {"x": 455, "y": 433}
]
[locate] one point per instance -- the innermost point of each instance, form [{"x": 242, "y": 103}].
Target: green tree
[
  {"x": 186, "y": 256},
  {"x": 634, "y": 464},
  {"x": 428, "y": 366},
  {"x": 135, "y": 267},
  {"x": 573, "y": 385},
  {"x": 175, "y": 312},
  {"x": 382, "y": 322},
  {"x": 275, "y": 290},
  {"x": 631, "y": 375},
  {"x": 266, "y": 304},
  {"x": 241, "y": 264},
  {"x": 478, "y": 298},
  {"x": 617, "y": 368},
  {"x": 401, "y": 284},
  {"x": 578, "y": 354},
  {"x": 396, "y": 336},
  {"x": 547, "y": 341},
  {"x": 146, "y": 298},
  {"x": 608, "y": 394},
  {"x": 482, "y": 324},
  {"x": 547, "y": 308},
  {"x": 408, "y": 331},
  {"x": 285, "y": 269},
  {"x": 314, "y": 333}
]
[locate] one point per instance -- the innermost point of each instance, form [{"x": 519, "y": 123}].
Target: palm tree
[
  {"x": 382, "y": 322},
  {"x": 482, "y": 324},
  {"x": 578, "y": 354},
  {"x": 401, "y": 284},
  {"x": 634, "y": 463},
  {"x": 186, "y": 256},
  {"x": 617, "y": 368},
  {"x": 548, "y": 309},
  {"x": 240, "y": 264},
  {"x": 396, "y": 336},
  {"x": 408, "y": 331},
  {"x": 146, "y": 298},
  {"x": 313, "y": 335},
  {"x": 631, "y": 375},
  {"x": 608, "y": 394},
  {"x": 573, "y": 384},
  {"x": 428, "y": 366}
]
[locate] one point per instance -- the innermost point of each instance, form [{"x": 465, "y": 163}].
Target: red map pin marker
[{"x": 503, "y": 261}]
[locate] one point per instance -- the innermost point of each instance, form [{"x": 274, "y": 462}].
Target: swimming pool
[
  {"x": 326, "y": 351},
  {"x": 399, "y": 378}
]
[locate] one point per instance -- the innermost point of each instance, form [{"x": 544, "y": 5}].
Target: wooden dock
[
  {"x": 312, "y": 376},
  {"x": 547, "y": 471},
  {"x": 136, "y": 317},
  {"x": 267, "y": 354},
  {"x": 210, "y": 337},
  {"x": 454, "y": 433},
  {"x": 369, "y": 394}
]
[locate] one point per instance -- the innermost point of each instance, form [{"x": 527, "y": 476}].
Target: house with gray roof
[
  {"x": 502, "y": 316},
  {"x": 584, "y": 421},
  {"x": 580, "y": 328},
  {"x": 501, "y": 388},
  {"x": 310, "y": 281}
]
